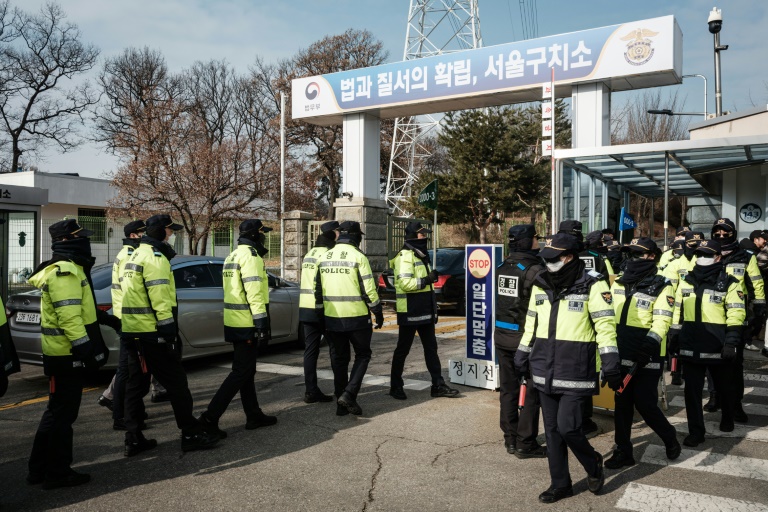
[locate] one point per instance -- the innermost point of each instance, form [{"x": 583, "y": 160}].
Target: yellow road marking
[{"x": 35, "y": 401}]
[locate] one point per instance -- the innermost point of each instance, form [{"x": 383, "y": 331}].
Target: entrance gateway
[{"x": 588, "y": 66}]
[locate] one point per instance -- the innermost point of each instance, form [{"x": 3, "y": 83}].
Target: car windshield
[
  {"x": 450, "y": 261},
  {"x": 101, "y": 276}
]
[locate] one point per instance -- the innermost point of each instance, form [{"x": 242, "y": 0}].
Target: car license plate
[{"x": 28, "y": 318}]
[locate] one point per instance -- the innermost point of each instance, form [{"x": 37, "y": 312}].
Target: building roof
[{"x": 640, "y": 167}]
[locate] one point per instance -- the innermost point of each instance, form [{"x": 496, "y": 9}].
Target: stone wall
[
  {"x": 296, "y": 235},
  {"x": 372, "y": 216}
]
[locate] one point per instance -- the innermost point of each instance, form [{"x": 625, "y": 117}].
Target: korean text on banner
[{"x": 479, "y": 290}]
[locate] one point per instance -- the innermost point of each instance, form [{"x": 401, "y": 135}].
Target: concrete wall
[
  {"x": 735, "y": 125},
  {"x": 63, "y": 189}
]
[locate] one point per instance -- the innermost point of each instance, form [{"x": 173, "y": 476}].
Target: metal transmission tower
[{"x": 434, "y": 27}]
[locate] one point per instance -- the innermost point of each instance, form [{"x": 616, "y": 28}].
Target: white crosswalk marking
[
  {"x": 759, "y": 434},
  {"x": 710, "y": 462},
  {"x": 649, "y": 498},
  {"x": 757, "y": 409},
  {"x": 368, "y": 380},
  {"x": 760, "y": 377}
]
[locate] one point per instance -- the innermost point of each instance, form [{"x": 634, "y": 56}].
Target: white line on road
[
  {"x": 759, "y": 434},
  {"x": 757, "y": 409},
  {"x": 709, "y": 462},
  {"x": 368, "y": 380},
  {"x": 649, "y": 498},
  {"x": 756, "y": 391},
  {"x": 761, "y": 377}
]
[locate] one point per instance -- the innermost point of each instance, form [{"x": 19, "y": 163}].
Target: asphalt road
[{"x": 421, "y": 454}]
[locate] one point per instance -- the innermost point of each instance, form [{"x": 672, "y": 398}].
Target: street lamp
[
  {"x": 715, "y": 22},
  {"x": 705, "y": 90}
]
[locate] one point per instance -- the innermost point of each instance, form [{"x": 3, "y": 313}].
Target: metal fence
[{"x": 396, "y": 233}]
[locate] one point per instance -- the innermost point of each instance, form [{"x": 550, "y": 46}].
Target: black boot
[
  {"x": 259, "y": 419},
  {"x": 197, "y": 440},
  {"x": 348, "y": 401},
  {"x": 211, "y": 426},
  {"x": 135, "y": 444}
]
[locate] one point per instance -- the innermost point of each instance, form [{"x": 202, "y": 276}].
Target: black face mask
[
  {"x": 708, "y": 273},
  {"x": 636, "y": 269},
  {"x": 351, "y": 239},
  {"x": 324, "y": 240},
  {"x": 567, "y": 275},
  {"x": 132, "y": 242},
  {"x": 76, "y": 249},
  {"x": 418, "y": 243}
]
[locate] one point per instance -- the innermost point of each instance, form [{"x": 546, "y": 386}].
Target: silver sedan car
[{"x": 201, "y": 315}]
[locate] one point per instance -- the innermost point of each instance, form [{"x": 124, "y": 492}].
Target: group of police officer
[
  {"x": 567, "y": 313},
  {"x": 560, "y": 322}
]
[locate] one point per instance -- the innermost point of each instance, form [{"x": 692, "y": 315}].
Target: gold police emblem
[{"x": 639, "y": 49}]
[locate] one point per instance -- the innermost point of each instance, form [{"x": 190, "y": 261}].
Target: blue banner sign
[
  {"x": 626, "y": 221},
  {"x": 481, "y": 260},
  {"x": 643, "y": 54}
]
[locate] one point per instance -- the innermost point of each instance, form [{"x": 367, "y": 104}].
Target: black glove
[
  {"x": 167, "y": 332},
  {"x": 432, "y": 277},
  {"x": 96, "y": 361},
  {"x": 759, "y": 310},
  {"x": 729, "y": 352},
  {"x": 614, "y": 380},
  {"x": 379, "y": 315},
  {"x": 522, "y": 364},
  {"x": 262, "y": 335},
  {"x": 110, "y": 321},
  {"x": 647, "y": 349},
  {"x": 83, "y": 351},
  {"x": 673, "y": 344}
]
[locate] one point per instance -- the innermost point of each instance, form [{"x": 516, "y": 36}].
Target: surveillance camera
[{"x": 715, "y": 20}]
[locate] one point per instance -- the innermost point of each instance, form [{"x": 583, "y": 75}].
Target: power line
[{"x": 511, "y": 20}]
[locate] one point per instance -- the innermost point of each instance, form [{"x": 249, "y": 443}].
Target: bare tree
[
  {"x": 350, "y": 50},
  {"x": 198, "y": 145},
  {"x": 40, "y": 53}
]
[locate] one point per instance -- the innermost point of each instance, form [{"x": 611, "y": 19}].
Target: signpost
[
  {"x": 479, "y": 368},
  {"x": 428, "y": 199}
]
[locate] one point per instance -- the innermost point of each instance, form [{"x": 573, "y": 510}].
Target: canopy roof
[{"x": 640, "y": 167}]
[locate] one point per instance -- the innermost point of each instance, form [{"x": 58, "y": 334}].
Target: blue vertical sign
[
  {"x": 626, "y": 221},
  {"x": 480, "y": 262}
]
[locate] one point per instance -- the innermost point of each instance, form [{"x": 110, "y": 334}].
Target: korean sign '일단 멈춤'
[{"x": 628, "y": 56}]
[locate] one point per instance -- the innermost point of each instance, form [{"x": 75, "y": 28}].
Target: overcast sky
[{"x": 239, "y": 30}]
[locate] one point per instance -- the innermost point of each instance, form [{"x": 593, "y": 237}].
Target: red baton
[{"x": 521, "y": 397}]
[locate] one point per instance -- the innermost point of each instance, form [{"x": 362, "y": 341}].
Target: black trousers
[
  {"x": 360, "y": 341},
  {"x": 240, "y": 379},
  {"x": 520, "y": 428},
  {"x": 641, "y": 394},
  {"x": 562, "y": 426},
  {"x": 405, "y": 336},
  {"x": 694, "y": 387},
  {"x": 162, "y": 361},
  {"x": 51, "y": 455},
  {"x": 736, "y": 376},
  {"x": 313, "y": 335}
]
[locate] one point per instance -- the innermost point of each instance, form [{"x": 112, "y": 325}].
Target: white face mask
[
  {"x": 705, "y": 261},
  {"x": 172, "y": 240},
  {"x": 554, "y": 267}
]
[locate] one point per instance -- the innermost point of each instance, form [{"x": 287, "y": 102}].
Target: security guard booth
[{"x": 717, "y": 175}]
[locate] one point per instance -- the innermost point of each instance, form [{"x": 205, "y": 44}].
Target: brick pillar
[
  {"x": 296, "y": 237},
  {"x": 372, "y": 216}
]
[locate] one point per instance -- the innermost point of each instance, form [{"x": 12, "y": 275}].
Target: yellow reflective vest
[
  {"x": 246, "y": 294},
  {"x": 565, "y": 332},
  {"x": 345, "y": 283},
  {"x": 414, "y": 294},
  {"x": 742, "y": 265},
  {"x": 678, "y": 268},
  {"x": 643, "y": 309},
  {"x": 310, "y": 309},
  {"x": 117, "y": 269},
  {"x": 704, "y": 312},
  {"x": 148, "y": 310},
  {"x": 68, "y": 316}
]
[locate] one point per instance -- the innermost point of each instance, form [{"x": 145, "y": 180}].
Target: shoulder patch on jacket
[
  {"x": 671, "y": 301},
  {"x": 607, "y": 297},
  {"x": 741, "y": 294}
]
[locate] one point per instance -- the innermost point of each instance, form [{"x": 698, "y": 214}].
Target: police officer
[
  {"x": 311, "y": 313},
  {"x": 643, "y": 300},
  {"x": 348, "y": 292},
  {"x": 615, "y": 255},
  {"x": 595, "y": 255},
  {"x": 514, "y": 279},
  {"x": 246, "y": 326},
  {"x": 9, "y": 360},
  {"x": 416, "y": 311},
  {"x": 675, "y": 251},
  {"x": 574, "y": 228},
  {"x": 668, "y": 255},
  {"x": 71, "y": 341},
  {"x": 742, "y": 265},
  {"x": 133, "y": 232},
  {"x": 706, "y": 330},
  {"x": 150, "y": 337},
  {"x": 570, "y": 320}
]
